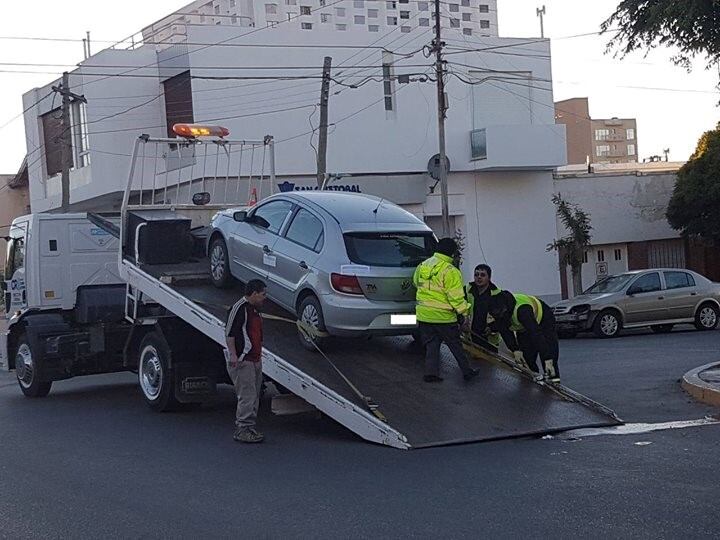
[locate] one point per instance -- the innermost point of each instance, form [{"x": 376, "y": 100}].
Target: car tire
[
  {"x": 662, "y": 328},
  {"x": 607, "y": 324},
  {"x": 219, "y": 262},
  {"x": 310, "y": 312},
  {"x": 155, "y": 376},
  {"x": 707, "y": 317},
  {"x": 28, "y": 370}
]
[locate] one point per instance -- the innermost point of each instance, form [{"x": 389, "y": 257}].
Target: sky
[{"x": 673, "y": 107}]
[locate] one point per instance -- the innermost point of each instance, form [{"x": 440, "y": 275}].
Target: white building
[
  {"x": 502, "y": 141},
  {"x": 470, "y": 17}
]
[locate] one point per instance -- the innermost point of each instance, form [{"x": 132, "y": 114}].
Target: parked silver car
[
  {"x": 659, "y": 298},
  {"x": 342, "y": 262}
]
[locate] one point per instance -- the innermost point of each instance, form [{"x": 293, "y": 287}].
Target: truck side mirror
[{"x": 241, "y": 216}]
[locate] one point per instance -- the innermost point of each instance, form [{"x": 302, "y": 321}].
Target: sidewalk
[{"x": 703, "y": 383}]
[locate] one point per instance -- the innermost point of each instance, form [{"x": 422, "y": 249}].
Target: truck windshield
[
  {"x": 389, "y": 249},
  {"x": 610, "y": 284}
]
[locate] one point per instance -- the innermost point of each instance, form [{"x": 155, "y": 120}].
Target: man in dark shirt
[
  {"x": 478, "y": 293},
  {"x": 527, "y": 327},
  {"x": 244, "y": 335}
]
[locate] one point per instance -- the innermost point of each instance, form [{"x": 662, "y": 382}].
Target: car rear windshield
[
  {"x": 389, "y": 249},
  {"x": 610, "y": 284}
]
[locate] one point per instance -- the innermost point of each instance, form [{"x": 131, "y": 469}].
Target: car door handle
[
  {"x": 303, "y": 265},
  {"x": 266, "y": 249},
  {"x": 693, "y": 294},
  {"x": 661, "y": 298}
]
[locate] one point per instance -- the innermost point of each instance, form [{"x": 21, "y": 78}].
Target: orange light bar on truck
[{"x": 197, "y": 130}]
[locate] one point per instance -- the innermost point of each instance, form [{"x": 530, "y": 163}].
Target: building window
[
  {"x": 454, "y": 8},
  {"x": 601, "y": 255},
  {"x": 341, "y": 27},
  {"x": 465, "y": 3},
  {"x": 484, "y": 8},
  {"x": 232, "y": 3},
  {"x": 466, "y": 17},
  {"x": 359, "y": 4},
  {"x": 602, "y": 150},
  {"x": 391, "y": 5},
  {"x": 602, "y": 134},
  {"x": 233, "y": 19},
  {"x": 631, "y": 149},
  {"x": 373, "y": 28},
  {"x": 423, "y": 6},
  {"x": 373, "y": 13},
  {"x": 585, "y": 257},
  {"x": 454, "y": 23},
  {"x": 405, "y": 29},
  {"x": 630, "y": 132},
  {"x": 618, "y": 255},
  {"x": 424, "y": 22},
  {"x": 323, "y": 3},
  {"x": 305, "y": 10},
  {"x": 392, "y": 21},
  {"x": 291, "y": 2},
  {"x": 405, "y": 15},
  {"x": 324, "y": 18},
  {"x": 467, "y": 31},
  {"x": 388, "y": 82},
  {"x": 340, "y": 12},
  {"x": 271, "y": 9},
  {"x": 484, "y": 24},
  {"x": 306, "y": 26},
  {"x": 359, "y": 19}
]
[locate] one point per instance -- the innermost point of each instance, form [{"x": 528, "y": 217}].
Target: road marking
[{"x": 634, "y": 429}]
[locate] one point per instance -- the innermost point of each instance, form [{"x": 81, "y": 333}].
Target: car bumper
[
  {"x": 347, "y": 315},
  {"x": 572, "y": 322}
]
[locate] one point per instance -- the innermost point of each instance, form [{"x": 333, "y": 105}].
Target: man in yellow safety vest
[
  {"x": 440, "y": 301},
  {"x": 527, "y": 327}
]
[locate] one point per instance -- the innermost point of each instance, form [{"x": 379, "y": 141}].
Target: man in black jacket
[
  {"x": 527, "y": 327},
  {"x": 478, "y": 293}
]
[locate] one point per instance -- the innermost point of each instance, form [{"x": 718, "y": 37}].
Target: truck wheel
[
  {"x": 310, "y": 313},
  {"x": 220, "y": 264},
  {"x": 707, "y": 317},
  {"x": 607, "y": 324},
  {"x": 27, "y": 371},
  {"x": 157, "y": 380}
]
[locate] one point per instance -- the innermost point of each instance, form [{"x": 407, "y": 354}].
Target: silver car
[
  {"x": 343, "y": 262},
  {"x": 659, "y": 298}
]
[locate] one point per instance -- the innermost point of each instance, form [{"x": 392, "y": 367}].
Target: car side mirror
[{"x": 241, "y": 216}]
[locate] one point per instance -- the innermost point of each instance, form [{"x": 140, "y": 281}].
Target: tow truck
[{"x": 99, "y": 293}]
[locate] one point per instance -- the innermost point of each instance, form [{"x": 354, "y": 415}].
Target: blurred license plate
[{"x": 403, "y": 320}]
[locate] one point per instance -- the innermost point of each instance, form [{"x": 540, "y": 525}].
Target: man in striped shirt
[{"x": 244, "y": 335}]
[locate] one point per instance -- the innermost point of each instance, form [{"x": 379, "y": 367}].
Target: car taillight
[{"x": 346, "y": 284}]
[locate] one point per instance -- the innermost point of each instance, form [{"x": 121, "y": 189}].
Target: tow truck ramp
[{"x": 165, "y": 183}]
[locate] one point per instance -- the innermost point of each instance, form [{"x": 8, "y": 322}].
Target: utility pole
[
  {"x": 66, "y": 137},
  {"x": 323, "y": 129},
  {"x": 437, "y": 47},
  {"x": 541, "y": 13}
]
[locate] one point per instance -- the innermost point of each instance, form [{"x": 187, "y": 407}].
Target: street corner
[{"x": 703, "y": 383}]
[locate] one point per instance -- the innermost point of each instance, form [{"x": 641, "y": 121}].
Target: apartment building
[
  {"x": 590, "y": 140},
  {"x": 468, "y": 17}
]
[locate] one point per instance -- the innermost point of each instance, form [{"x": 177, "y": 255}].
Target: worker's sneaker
[
  {"x": 248, "y": 436},
  {"x": 471, "y": 374},
  {"x": 432, "y": 378}
]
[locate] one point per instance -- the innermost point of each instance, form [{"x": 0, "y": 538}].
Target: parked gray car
[
  {"x": 343, "y": 262},
  {"x": 659, "y": 298}
]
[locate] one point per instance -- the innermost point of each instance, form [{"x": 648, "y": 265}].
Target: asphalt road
[{"x": 92, "y": 461}]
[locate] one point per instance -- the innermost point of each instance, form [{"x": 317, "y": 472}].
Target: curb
[{"x": 699, "y": 389}]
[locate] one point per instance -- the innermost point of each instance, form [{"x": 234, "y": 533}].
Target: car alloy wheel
[
  {"x": 217, "y": 262},
  {"x": 708, "y": 317},
  {"x": 609, "y": 324}
]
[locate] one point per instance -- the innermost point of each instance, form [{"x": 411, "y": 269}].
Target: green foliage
[
  {"x": 691, "y": 26},
  {"x": 694, "y": 207},
  {"x": 460, "y": 239},
  {"x": 577, "y": 222}
]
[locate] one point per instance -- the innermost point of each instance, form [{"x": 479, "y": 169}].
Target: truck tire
[
  {"x": 607, "y": 324},
  {"x": 310, "y": 312},
  {"x": 156, "y": 377},
  {"x": 27, "y": 371},
  {"x": 220, "y": 264},
  {"x": 707, "y": 317}
]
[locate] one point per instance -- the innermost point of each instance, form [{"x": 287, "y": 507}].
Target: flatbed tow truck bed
[{"x": 499, "y": 404}]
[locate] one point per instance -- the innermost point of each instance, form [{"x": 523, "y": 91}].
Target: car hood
[{"x": 584, "y": 299}]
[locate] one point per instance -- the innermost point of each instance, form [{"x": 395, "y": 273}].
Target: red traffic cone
[{"x": 253, "y": 197}]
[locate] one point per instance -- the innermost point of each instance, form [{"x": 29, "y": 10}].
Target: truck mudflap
[{"x": 192, "y": 387}]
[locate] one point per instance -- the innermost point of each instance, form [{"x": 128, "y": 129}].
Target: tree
[
  {"x": 692, "y": 26},
  {"x": 694, "y": 207},
  {"x": 572, "y": 247}
]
